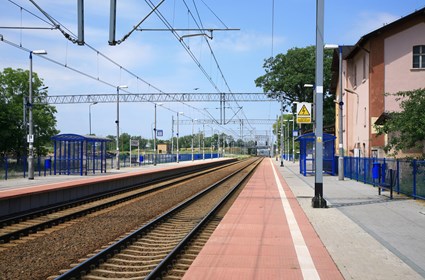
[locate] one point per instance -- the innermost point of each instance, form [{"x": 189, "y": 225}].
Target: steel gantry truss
[
  {"x": 153, "y": 97},
  {"x": 236, "y": 121}
]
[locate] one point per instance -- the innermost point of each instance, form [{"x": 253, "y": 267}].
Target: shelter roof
[
  {"x": 76, "y": 138},
  {"x": 311, "y": 137}
]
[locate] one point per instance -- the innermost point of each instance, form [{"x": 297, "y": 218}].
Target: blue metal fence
[
  {"x": 18, "y": 167},
  {"x": 43, "y": 166},
  {"x": 409, "y": 174}
]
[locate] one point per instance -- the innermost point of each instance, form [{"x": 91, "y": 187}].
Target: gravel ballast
[{"x": 45, "y": 254}]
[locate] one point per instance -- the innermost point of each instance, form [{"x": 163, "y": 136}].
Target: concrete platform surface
[{"x": 360, "y": 236}]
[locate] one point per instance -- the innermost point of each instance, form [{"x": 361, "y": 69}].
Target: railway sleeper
[{"x": 126, "y": 267}]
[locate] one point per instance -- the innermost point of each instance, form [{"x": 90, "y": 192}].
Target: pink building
[{"x": 383, "y": 62}]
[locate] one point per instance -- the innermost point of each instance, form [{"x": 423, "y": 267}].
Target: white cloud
[
  {"x": 246, "y": 41},
  {"x": 367, "y": 22}
]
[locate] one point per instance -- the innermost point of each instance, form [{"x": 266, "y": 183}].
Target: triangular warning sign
[{"x": 303, "y": 111}]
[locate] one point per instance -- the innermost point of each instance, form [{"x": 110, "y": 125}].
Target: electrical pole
[{"x": 318, "y": 201}]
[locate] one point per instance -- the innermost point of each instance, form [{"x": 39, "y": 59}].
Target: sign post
[{"x": 135, "y": 143}]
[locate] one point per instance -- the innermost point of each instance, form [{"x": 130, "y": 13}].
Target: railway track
[
  {"x": 157, "y": 247},
  {"x": 17, "y": 227}
]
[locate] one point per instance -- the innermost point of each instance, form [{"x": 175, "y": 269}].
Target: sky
[{"x": 149, "y": 61}]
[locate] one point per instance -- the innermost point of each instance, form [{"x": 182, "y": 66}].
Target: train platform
[
  {"x": 21, "y": 183},
  {"x": 272, "y": 232},
  {"x": 24, "y": 185},
  {"x": 23, "y": 195}
]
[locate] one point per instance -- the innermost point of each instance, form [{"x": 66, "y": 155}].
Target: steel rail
[
  {"x": 5, "y": 238},
  {"x": 91, "y": 263},
  {"x": 163, "y": 267}
]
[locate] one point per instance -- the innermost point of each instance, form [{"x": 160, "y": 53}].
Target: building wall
[
  {"x": 163, "y": 149},
  {"x": 381, "y": 63},
  {"x": 399, "y": 75},
  {"x": 357, "y": 105}
]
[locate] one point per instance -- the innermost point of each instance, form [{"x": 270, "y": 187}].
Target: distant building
[
  {"x": 383, "y": 62},
  {"x": 164, "y": 149}
]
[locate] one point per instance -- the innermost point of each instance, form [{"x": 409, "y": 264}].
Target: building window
[{"x": 419, "y": 56}]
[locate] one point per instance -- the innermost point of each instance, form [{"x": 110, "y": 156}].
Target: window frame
[{"x": 418, "y": 54}]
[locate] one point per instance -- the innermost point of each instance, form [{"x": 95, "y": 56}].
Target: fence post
[
  {"x": 398, "y": 176},
  {"x": 414, "y": 178},
  {"x": 392, "y": 173},
  {"x": 6, "y": 165},
  {"x": 365, "y": 170},
  {"x": 25, "y": 165},
  {"x": 39, "y": 166},
  {"x": 357, "y": 168},
  {"x": 384, "y": 172}
]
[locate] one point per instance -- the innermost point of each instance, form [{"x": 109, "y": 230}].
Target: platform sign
[{"x": 304, "y": 112}]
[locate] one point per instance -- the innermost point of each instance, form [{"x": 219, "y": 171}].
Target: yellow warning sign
[
  {"x": 303, "y": 120},
  {"x": 303, "y": 111}
]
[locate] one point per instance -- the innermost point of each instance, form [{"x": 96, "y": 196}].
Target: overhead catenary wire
[
  {"x": 69, "y": 34},
  {"x": 2, "y": 39},
  {"x": 214, "y": 14},
  {"x": 185, "y": 46},
  {"x": 55, "y": 24},
  {"x": 200, "y": 26},
  {"x": 31, "y": 13}
]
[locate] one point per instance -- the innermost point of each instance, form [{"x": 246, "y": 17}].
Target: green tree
[
  {"x": 14, "y": 87},
  {"x": 406, "y": 129},
  {"x": 286, "y": 75}
]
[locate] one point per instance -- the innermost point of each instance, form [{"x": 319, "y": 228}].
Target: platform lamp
[
  {"x": 155, "y": 150},
  {"x": 282, "y": 150},
  {"x": 193, "y": 124},
  {"x": 179, "y": 113},
  {"x": 94, "y": 103},
  {"x": 340, "y": 117},
  {"x": 118, "y": 124},
  {"x": 30, "y": 137},
  {"x": 318, "y": 201}
]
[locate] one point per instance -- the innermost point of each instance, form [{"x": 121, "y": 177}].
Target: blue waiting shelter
[
  {"x": 307, "y": 155},
  {"x": 78, "y": 154}
]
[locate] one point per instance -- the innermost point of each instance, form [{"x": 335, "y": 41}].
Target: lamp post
[
  {"x": 281, "y": 134},
  {"x": 179, "y": 113},
  {"x": 193, "y": 123},
  {"x": 340, "y": 117},
  {"x": 293, "y": 139},
  {"x": 203, "y": 141},
  {"x": 155, "y": 150},
  {"x": 118, "y": 124},
  {"x": 30, "y": 137},
  {"x": 318, "y": 201},
  {"x": 94, "y": 103},
  {"x": 357, "y": 115},
  {"x": 289, "y": 146},
  {"x": 172, "y": 134}
]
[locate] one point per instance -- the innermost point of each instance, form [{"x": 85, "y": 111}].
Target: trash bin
[
  {"x": 376, "y": 170},
  {"x": 47, "y": 163}
]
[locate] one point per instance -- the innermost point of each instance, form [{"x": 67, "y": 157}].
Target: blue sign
[{"x": 159, "y": 132}]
